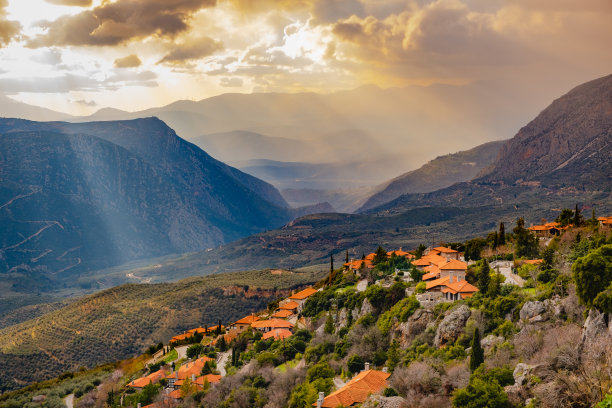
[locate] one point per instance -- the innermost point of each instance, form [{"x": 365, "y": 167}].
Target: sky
[{"x": 78, "y": 56}]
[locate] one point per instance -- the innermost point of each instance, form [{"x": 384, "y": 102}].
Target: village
[{"x": 442, "y": 272}]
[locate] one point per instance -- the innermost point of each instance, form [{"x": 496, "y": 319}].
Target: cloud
[
  {"x": 120, "y": 22},
  {"x": 83, "y": 102},
  {"x": 49, "y": 57},
  {"x": 192, "y": 49},
  {"x": 8, "y": 29},
  {"x": 73, "y": 82},
  {"x": 79, "y": 3},
  {"x": 231, "y": 82},
  {"x": 131, "y": 61}
]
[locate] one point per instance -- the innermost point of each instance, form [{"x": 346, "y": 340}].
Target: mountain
[
  {"x": 79, "y": 197},
  {"x": 10, "y": 108},
  {"x": 568, "y": 144},
  {"x": 123, "y": 321},
  {"x": 441, "y": 172},
  {"x": 366, "y": 126}
]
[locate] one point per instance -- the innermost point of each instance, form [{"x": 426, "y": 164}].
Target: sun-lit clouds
[
  {"x": 9, "y": 29},
  {"x": 114, "y": 23},
  {"x": 130, "y": 61},
  {"x": 191, "y": 49},
  {"x": 79, "y": 3}
]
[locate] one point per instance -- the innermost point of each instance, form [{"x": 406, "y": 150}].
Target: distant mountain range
[
  {"x": 555, "y": 178},
  {"x": 77, "y": 197}
]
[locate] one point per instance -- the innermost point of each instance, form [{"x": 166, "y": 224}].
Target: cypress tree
[
  {"x": 501, "y": 240},
  {"x": 577, "y": 217},
  {"x": 484, "y": 277},
  {"x": 347, "y": 259},
  {"x": 477, "y": 353}
]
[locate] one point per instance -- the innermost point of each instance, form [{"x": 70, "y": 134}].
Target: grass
[{"x": 170, "y": 357}]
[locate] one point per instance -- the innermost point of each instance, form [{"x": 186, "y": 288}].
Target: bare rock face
[
  {"x": 594, "y": 325},
  {"x": 531, "y": 310},
  {"x": 522, "y": 372},
  {"x": 378, "y": 401},
  {"x": 342, "y": 320},
  {"x": 415, "y": 325},
  {"x": 491, "y": 341},
  {"x": 366, "y": 307},
  {"x": 452, "y": 326}
]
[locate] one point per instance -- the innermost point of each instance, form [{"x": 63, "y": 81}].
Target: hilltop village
[{"x": 509, "y": 320}]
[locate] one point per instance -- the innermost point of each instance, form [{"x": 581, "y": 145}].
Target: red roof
[
  {"x": 445, "y": 250},
  {"x": 438, "y": 282},
  {"x": 212, "y": 378},
  {"x": 304, "y": 294},
  {"x": 273, "y": 323},
  {"x": 289, "y": 306},
  {"x": 190, "y": 368},
  {"x": 247, "y": 320},
  {"x": 460, "y": 287},
  {"x": 282, "y": 314},
  {"x": 421, "y": 262},
  {"x": 152, "y": 378},
  {"x": 431, "y": 275},
  {"x": 357, "y": 390},
  {"x": 277, "y": 334},
  {"x": 454, "y": 264}
]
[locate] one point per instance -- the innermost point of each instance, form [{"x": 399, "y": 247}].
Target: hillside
[
  {"x": 80, "y": 197},
  {"x": 441, "y": 172},
  {"x": 123, "y": 321},
  {"x": 568, "y": 144},
  {"x": 522, "y": 335}
]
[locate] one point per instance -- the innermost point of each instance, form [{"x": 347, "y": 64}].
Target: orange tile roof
[
  {"x": 435, "y": 259},
  {"x": 282, "y": 314},
  {"x": 454, "y": 264},
  {"x": 212, "y": 379},
  {"x": 198, "y": 330},
  {"x": 532, "y": 261},
  {"x": 370, "y": 257},
  {"x": 289, "y": 306},
  {"x": 421, "y": 262},
  {"x": 357, "y": 264},
  {"x": 176, "y": 394},
  {"x": 303, "y": 294},
  {"x": 358, "y": 389},
  {"x": 445, "y": 250},
  {"x": 273, "y": 323},
  {"x": 460, "y": 287},
  {"x": 438, "y": 282},
  {"x": 180, "y": 337},
  {"x": 152, "y": 378},
  {"x": 433, "y": 251},
  {"x": 190, "y": 368},
  {"x": 431, "y": 275},
  {"x": 399, "y": 252},
  {"x": 247, "y": 320},
  {"x": 277, "y": 334}
]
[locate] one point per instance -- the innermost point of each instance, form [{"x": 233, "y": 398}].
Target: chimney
[
  {"x": 320, "y": 400},
  {"x": 192, "y": 377},
  {"x": 139, "y": 405},
  {"x": 367, "y": 366},
  {"x": 385, "y": 370}
]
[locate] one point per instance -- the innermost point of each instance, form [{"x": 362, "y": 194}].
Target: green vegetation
[{"x": 593, "y": 274}]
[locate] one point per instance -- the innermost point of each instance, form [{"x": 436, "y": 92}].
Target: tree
[
  {"x": 331, "y": 264},
  {"x": 329, "y": 324},
  {"x": 526, "y": 244},
  {"x": 565, "y": 218},
  {"x": 194, "y": 351},
  {"x": 416, "y": 274},
  {"x": 502, "y": 235},
  {"x": 393, "y": 355},
  {"x": 592, "y": 274},
  {"x": 355, "y": 364},
  {"x": 222, "y": 344},
  {"x": 320, "y": 370},
  {"x": 603, "y": 301},
  {"x": 484, "y": 277},
  {"x": 420, "y": 250},
  {"x": 477, "y": 353},
  {"x": 481, "y": 393},
  {"x": 380, "y": 256},
  {"x": 578, "y": 220},
  {"x": 347, "y": 258}
]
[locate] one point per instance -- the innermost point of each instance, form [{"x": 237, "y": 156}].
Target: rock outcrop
[
  {"x": 415, "y": 325},
  {"x": 452, "y": 326}
]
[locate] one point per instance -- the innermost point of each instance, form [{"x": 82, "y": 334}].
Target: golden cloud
[
  {"x": 121, "y": 21},
  {"x": 192, "y": 49},
  {"x": 131, "y": 61},
  {"x": 8, "y": 29}
]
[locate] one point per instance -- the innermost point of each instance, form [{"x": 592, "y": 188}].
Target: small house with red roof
[{"x": 356, "y": 391}]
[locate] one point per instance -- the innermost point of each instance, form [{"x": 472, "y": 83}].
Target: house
[
  {"x": 454, "y": 268},
  {"x": 277, "y": 334},
  {"x": 268, "y": 325},
  {"x": 283, "y": 314},
  {"x": 211, "y": 378},
  {"x": 359, "y": 264},
  {"x": 181, "y": 337},
  {"x": 547, "y": 230},
  {"x": 458, "y": 290},
  {"x": 430, "y": 259},
  {"x": 450, "y": 288},
  {"x": 447, "y": 253},
  {"x": 289, "y": 305},
  {"x": 152, "y": 378},
  {"x": 244, "y": 323},
  {"x": 302, "y": 296},
  {"x": 187, "y": 370},
  {"x": 605, "y": 222},
  {"x": 356, "y": 390},
  {"x": 400, "y": 252}
]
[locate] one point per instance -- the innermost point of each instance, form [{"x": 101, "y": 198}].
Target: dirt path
[
  {"x": 69, "y": 401},
  {"x": 221, "y": 361}
]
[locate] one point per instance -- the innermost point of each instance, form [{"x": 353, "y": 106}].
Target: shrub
[
  {"x": 355, "y": 364},
  {"x": 401, "y": 310},
  {"x": 389, "y": 392}
]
